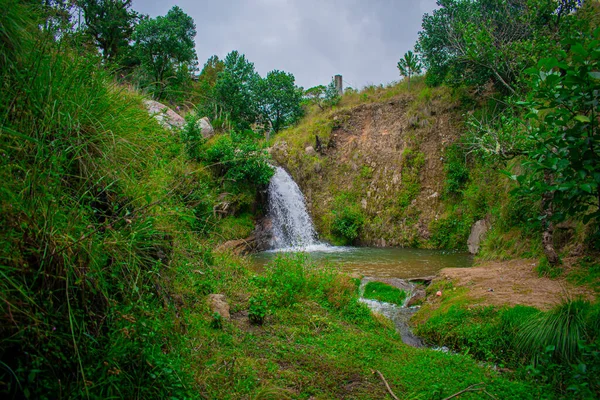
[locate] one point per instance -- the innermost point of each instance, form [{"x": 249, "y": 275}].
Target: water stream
[{"x": 293, "y": 231}]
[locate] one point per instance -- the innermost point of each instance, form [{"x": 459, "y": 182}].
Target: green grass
[
  {"x": 557, "y": 350},
  {"x": 382, "y": 292}
]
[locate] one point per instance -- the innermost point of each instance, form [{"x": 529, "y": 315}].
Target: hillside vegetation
[{"x": 109, "y": 223}]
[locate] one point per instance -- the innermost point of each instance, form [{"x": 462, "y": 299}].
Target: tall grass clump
[
  {"x": 85, "y": 310},
  {"x": 563, "y": 345}
]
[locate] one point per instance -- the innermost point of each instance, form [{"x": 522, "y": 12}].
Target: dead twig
[
  {"x": 386, "y": 384},
  {"x": 473, "y": 388}
]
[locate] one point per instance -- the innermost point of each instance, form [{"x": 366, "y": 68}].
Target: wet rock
[
  {"x": 260, "y": 240},
  {"x": 477, "y": 235},
  {"x": 218, "y": 304},
  {"x": 166, "y": 117},
  {"x": 417, "y": 298}
]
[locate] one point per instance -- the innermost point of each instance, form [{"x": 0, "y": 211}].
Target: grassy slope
[{"x": 105, "y": 273}]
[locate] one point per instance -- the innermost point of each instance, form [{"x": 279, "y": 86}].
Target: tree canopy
[
  {"x": 110, "y": 23},
  {"x": 165, "y": 48}
]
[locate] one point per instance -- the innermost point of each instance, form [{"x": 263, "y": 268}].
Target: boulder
[
  {"x": 166, "y": 117},
  {"x": 478, "y": 231},
  {"x": 310, "y": 151},
  {"x": 260, "y": 240},
  {"x": 205, "y": 127},
  {"x": 218, "y": 304},
  {"x": 417, "y": 298}
]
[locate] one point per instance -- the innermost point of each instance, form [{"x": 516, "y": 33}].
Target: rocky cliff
[{"x": 383, "y": 160}]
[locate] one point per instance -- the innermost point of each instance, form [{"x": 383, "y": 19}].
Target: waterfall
[{"x": 292, "y": 226}]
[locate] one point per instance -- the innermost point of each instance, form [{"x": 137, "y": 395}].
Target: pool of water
[{"x": 380, "y": 262}]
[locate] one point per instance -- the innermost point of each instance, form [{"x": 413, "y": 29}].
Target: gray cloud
[{"x": 313, "y": 39}]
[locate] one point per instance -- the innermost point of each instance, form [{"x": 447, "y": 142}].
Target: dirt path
[{"x": 513, "y": 282}]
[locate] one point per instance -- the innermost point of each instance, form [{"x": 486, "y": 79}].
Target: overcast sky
[{"x": 313, "y": 39}]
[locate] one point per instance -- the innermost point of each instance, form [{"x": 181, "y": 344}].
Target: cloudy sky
[{"x": 313, "y": 39}]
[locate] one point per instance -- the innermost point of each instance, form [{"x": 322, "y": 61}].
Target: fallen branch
[
  {"x": 472, "y": 388},
  {"x": 386, "y": 384}
]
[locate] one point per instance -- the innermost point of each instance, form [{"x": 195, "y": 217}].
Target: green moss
[{"x": 382, "y": 292}]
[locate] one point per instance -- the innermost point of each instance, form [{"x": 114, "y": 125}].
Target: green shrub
[
  {"x": 457, "y": 172},
  {"x": 347, "y": 223},
  {"x": 239, "y": 159},
  {"x": 192, "y": 138},
  {"x": 382, "y": 292},
  {"x": 257, "y": 309},
  {"x": 451, "y": 232}
]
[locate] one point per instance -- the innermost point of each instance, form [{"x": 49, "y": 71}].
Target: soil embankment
[{"x": 511, "y": 283}]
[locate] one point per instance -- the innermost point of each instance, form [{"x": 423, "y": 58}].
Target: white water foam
[{"x": 293, "y": 229}]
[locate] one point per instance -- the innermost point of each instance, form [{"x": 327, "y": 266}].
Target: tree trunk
[{"x": 548, "y": 225}]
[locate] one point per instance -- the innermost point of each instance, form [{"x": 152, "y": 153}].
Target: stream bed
[{"x": 381, "y": 264}]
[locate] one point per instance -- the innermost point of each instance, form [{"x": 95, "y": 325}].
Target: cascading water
[{"x": 292, "y": 226}]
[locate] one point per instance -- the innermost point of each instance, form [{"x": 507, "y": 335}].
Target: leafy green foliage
[
  {"x": 257, "y": 309},
  {"x": 165, "y": 49},
  {"x": 564, "y": 138},
  {"x": 451, "y": 231},
  {"x": 279, "y": 99},
  {"x": 234, "y": 90},
  {"x": 348, "y": 218},
  {"x": 557, "y": 348},
  {"x": 382, "y": 292},
  {"x": 110, "y": 23},
  {"x": 457, "y": 173},
  {"x": 191, "y": 135},
  {"x": 239, "y": 160},
  {"x": 474, "y": 42}
]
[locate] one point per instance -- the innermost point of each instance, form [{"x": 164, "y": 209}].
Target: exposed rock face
[
  {"x": 378, "y": 152},
  {"x": 205, "y": 127},
  {"x": 166, "y": 117},
  {"x": 218, "y": 304},
  {"x": 260, "y": 240},
  {"x": 477, "y": 235}
]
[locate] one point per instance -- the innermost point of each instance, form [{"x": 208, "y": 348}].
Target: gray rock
[
  {"x": 417, "y": 298},
  {"x": 205, "y": 127},
  {"x": 477, "y": 235},
  {"x": 310, "y": 151},
  {"x": 166, "y": 117},
  {"x": 218, "y": 304}
]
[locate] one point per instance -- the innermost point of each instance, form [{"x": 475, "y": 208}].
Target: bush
[
  {"x": 239, "y": 159},
  {"x": 347, "y": 223},
  {"x": 257, "y": 309},
  {"x": 457, "y": 173}
]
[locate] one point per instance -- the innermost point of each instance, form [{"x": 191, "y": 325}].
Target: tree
[
  {"x": 234, "y": 90},
  {"x": 279, "y": 99},
  {"x": 315, "y": 95},
  {"x": 409, "y": 65},
  {"x": 332, "y": 95},
  {"x": 110, "y": 23},
  {"x": 555, "y": 133},
  {"x": 562, "y": 164},
  {"x": 165, "y": 49},
  {"x": 203, "y": 92},
  {"x": 475, "y": 42}
]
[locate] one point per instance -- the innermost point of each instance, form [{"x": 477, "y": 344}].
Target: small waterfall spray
[{"x": 292, "y": 226}]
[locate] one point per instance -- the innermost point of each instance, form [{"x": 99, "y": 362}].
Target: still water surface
[{"x": 379, "y": 262}]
